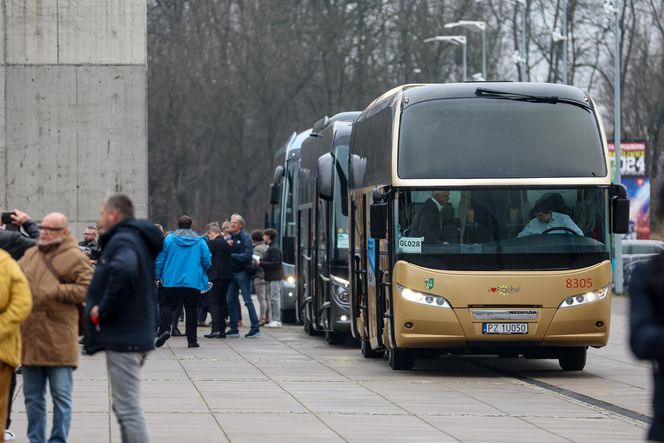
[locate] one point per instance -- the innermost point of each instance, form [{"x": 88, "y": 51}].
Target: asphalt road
[{"x": 287, "y": 386}]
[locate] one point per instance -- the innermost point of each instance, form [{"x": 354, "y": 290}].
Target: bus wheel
[
  {"x": 335, "y": 338},
  {"x": 401, "y": 359},
  {"x": 573, "y": 359},
  {"x": 288, "y": 316},
  {"x": 367, "y": 352}
]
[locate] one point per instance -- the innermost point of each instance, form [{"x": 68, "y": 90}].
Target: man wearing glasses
[{"x": 59, "y": 275}]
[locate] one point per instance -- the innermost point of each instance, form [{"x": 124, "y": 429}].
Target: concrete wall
[{"x": 73, "y": 126}]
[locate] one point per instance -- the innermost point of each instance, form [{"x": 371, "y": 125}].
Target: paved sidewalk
[{"x": 288, "y": 387}]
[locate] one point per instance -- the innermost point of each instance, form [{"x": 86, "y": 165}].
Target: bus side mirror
[
  {"x": 326, "y": 176},
  {"x": 378, "y": 220},
  {"x": 274, "y": 194},
  {"x": 619, "y": 210},
  {"x": 358, "y": 168}
]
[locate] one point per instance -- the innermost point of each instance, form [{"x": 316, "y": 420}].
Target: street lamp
[
  {"x": 614, "y": 9},
  {"x": 557, "y": 36},
  {"x": 474, "y": 26},
  {"x": 457, "y": 40}
]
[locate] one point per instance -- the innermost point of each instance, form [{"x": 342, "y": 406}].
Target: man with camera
[{"x": 12, "y": 240}]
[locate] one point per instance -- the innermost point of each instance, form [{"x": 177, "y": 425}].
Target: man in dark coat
[
  {"x": 241, "y": 259},
  {"x": 121, "y": 308},
  {"x": 220, "y": 274},
  {"x": 433, "y": 214},
  {"x": 646, "y": 290}
]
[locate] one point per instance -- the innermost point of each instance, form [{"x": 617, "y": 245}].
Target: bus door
[
  {"x": 378, "y": 275},
  {"x": 305, "y": 261},
  {"x": 321, "y": 296}
]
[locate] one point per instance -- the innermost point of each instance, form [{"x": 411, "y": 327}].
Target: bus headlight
[
  {"x": 425, "y": 299},
  {"x": 588, "y": 297},
  {"x": 340, "y": 288},
  {"x": 290, "y": 280}
]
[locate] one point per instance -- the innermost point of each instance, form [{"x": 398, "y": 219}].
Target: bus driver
[{"x": 546, "y": 220}]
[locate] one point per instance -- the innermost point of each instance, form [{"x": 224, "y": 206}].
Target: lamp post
[
  {"x": 565, "y": 43},
  {"x": 614, "y": 10},
  {"x": 557, "y": 36},
  {"x": 475, "y": 26},
  {"x": 455, "y": 40}
]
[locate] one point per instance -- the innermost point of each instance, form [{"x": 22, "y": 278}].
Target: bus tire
[
  {"x": 335, "y": 338},
  {"x": 573, "y": 359},
  {"x": 401, "y": 359},
  {"x": 367, "y": 352}
]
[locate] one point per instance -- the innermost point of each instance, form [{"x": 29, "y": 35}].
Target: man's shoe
[
  {"x": 215, "y": 334},
  {"x": 193, "y": 345},
  {"x": 232, "y": 334},
  {"x": 9, "y": 435},
  {"x": 273, "y": 324},
  {"x": 176, "y": 333},
  {"x": 162, "y": 339},
  {"x": 222, "y": 335},
  {"x": 253, "y": 334}
]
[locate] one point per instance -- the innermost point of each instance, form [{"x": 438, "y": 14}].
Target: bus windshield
[
  {"x": 492, "y": 138},
  {"x": 503, "y": 228}
]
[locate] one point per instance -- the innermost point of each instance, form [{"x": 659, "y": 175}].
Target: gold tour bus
[{"x": 480, "y": 222}]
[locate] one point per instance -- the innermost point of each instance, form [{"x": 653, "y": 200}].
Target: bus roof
[{"x": 417, "y": 93}]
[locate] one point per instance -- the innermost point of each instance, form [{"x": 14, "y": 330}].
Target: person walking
[
  {"x": 15, "y": 306},
  {"x": 59, "y": 275},
  {"x": 220, "y": 274},
  {"x": 259, "y": 282},
  {"x": 646, "y": 295},
  {"x": 272, "y": 264},
  {"x": 121, "y": 308},
  {"x": 181, "y": 267},
  {"x": 15, "y": 242},
  {"x": 241, "y": 260}
]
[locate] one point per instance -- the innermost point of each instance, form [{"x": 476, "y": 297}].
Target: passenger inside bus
[
  {"x": 435, "y": 220},
  {"x": 547, "y": 220}
]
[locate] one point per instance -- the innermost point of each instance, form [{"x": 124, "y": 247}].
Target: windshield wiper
[{"x": 516, "y": 96}]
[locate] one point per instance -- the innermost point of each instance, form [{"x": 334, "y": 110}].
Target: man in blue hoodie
[{"x": 181, "y": 267}]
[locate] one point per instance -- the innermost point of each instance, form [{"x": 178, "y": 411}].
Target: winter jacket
[
  {"x": 272, "y": 263},
  {"x": 221, "y": 267},
  {"x": 50, "y": 334},
  {"x": 646, "y": 290},
  {"x": 15, "y": 305},
  {"x": 123, "y": 288},
  {"x": 16, "y": 243},
  {"x": 259, "y": 249},
  {"x": 184, "y": 260},
  {"x": 242, "y": 252}
]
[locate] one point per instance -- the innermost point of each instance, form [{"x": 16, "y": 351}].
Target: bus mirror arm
[{"x": 619, "y": 209}]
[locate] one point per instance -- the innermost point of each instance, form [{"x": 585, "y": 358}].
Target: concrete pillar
[{"x": 73, "y": 123}]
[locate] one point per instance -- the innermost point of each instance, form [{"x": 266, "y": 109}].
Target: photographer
[{"x": 11, "y": 238}]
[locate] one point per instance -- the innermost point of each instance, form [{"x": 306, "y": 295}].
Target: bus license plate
[{"x": 504, "y": 328}]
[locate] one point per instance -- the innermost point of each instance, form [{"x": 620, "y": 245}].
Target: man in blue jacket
[
  {"x": 241, "y": 260},
  {"x": 181, "y": 267},
  {"x": 121, "y": 308}
]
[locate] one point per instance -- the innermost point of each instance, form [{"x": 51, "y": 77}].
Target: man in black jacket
[
  {"x": 220, "y": 274},
  {"x": 13, "y": 241},
  {"x": 646, "y": 296},
  {"x": 433, "y": 216},
  {"x": 273, "y": 269},
  {"x": 121, "y": 308}
]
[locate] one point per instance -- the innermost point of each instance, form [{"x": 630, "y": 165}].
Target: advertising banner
[{"x": 633, "y": 171}]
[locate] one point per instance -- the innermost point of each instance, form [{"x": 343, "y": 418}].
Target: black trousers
[
  {"x": 12, "y": 388},
  {"x": 218, "y": 304},
  {"x": 189, "y": 297}
]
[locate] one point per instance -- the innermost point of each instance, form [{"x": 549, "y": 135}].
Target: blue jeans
[
  {"x": 241, "y": 282},
  {"x": 34, "y": 390}
]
